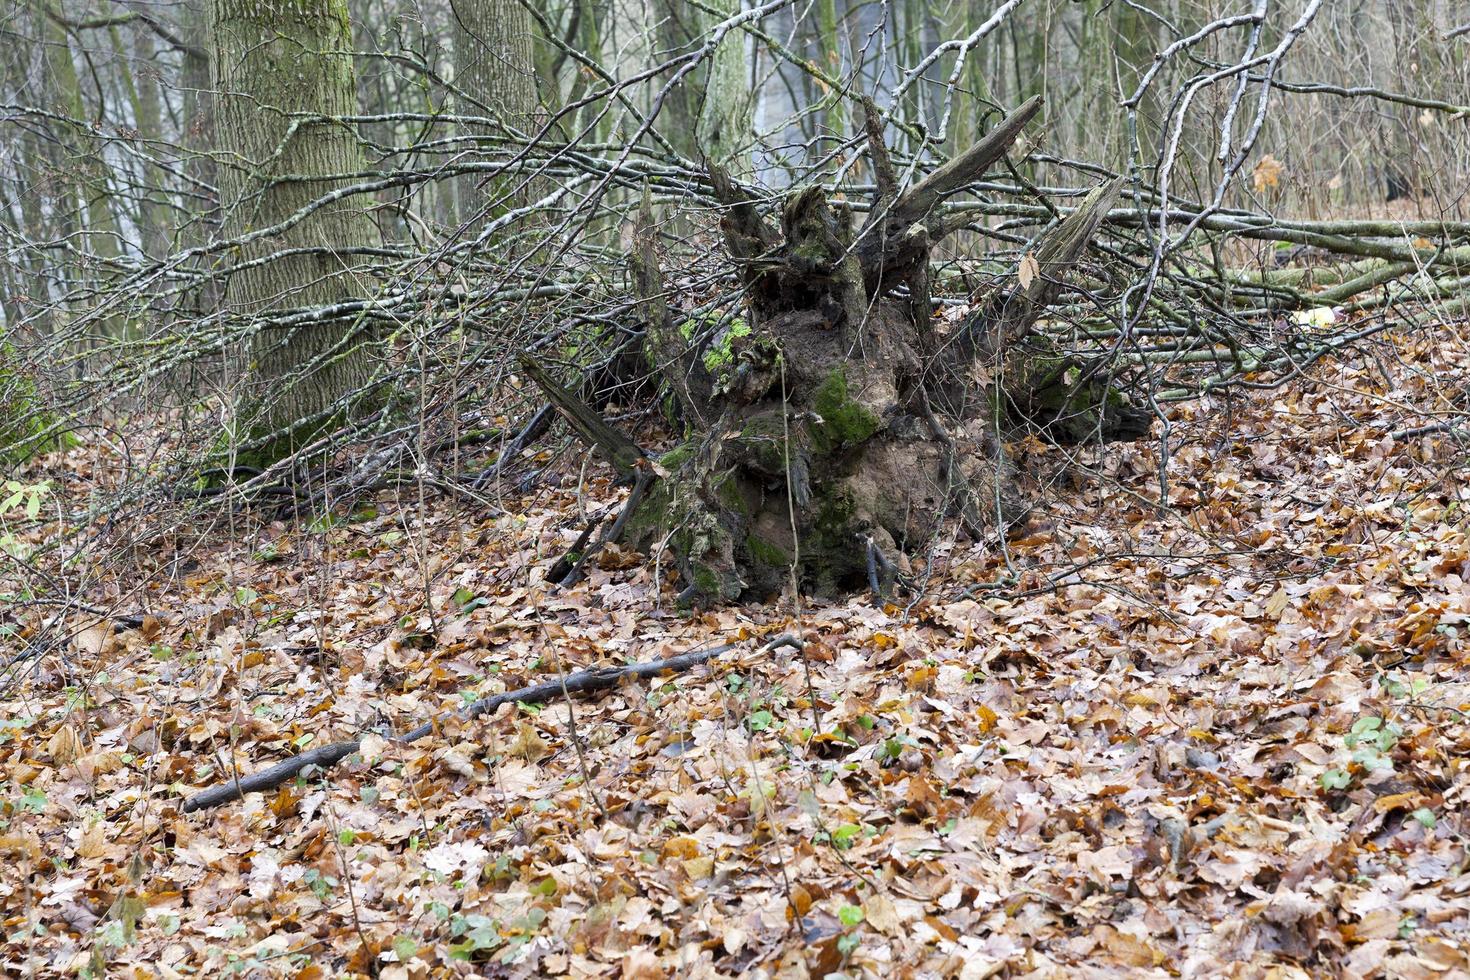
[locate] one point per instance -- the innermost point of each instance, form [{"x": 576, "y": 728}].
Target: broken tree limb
[
  {"x": 582, "y": 682},
  {"x": 620, "y": 451},
  {"x": 916, "y": 203},
  {"x": 884, "y": 175},
  {"x": 645, "y": 478},
  {"x": 1006, "y": 320},
  {"x": 895, "y": 240}
]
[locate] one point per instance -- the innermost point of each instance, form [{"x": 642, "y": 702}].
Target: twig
[
  {"x": 643, "y": 479},
  {"x": 1425, "y": 430}
]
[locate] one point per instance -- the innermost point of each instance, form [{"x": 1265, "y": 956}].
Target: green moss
[
  {"x": 763, "y": 552},
  {"x": 721, "y": 354},
  {"x": 763, "y": 442},
  {"x": 675, "y": 458},
  {"x": 727, "y": 492},
  {"x": 845, "y": 422},
  {"x": 706, "y": 578},
  {"x": 812, "y": 254}
]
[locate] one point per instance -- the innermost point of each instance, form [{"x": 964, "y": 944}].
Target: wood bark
[
  {"x": 724, "y": 134},
  {"x": 283, "y": 76},
  {"x": 494, "y": 68}
]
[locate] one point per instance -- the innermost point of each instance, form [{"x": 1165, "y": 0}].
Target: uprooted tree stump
[{"x": 838, "y": 424}]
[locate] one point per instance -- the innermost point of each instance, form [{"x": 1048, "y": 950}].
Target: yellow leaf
[
  {"x": 65, "y": 746},
  {"x": 529, "y": 744},
  {"x": 1396, "y": 801},
  {"x": 801, "y": 900},
  {"x": 700, "y": 867},
  {"x": 684, "y": 847},
  {"x": 94, "y": 841},
  {"x": 881, "y": 914},
  {"x": 987, "y": 717},
  {"x": 1267, "y": 173}
]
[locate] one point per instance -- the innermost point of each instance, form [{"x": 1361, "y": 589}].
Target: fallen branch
[
  {"x": 644, "y": 479},
  {"x": 582, "y": 682},
  {"x": 621, "y": 452},
  {"x": 1425, "y": 430},
  {"x": 532, "y": 430}
]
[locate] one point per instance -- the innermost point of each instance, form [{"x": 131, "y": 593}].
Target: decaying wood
[
  {"x": 662, "y": 341},
  {"x": 620, "y": 451},
  {"x": 825, "y": 447},
  {"x": 582, "y": 682},
  {"x": 896, "y": 239},
  {"x": 1008, "y": 318}
]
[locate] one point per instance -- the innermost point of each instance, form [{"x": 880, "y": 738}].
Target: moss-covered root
[{"x": 702, "y": 521}]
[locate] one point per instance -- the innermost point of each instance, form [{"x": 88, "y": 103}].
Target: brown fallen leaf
[
  {"x": 529, "y": 744},
  {"x": 642, "y": 963},
  {"x": 65, "y": 746},
  {"x": 880, "y": 912}
]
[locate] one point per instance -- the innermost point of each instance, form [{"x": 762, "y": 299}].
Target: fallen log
[{"x": 582, "y": 682}]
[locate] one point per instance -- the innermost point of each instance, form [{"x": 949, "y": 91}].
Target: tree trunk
[
  {"x": 494, "y": 67},
  {"x": 724, "y": 134},
  {"x": 279, "y": 64},
  {"x": 198, "y": 136},
  {"x": 846, "y": 426},
  {"x": 90, "y": 210}
]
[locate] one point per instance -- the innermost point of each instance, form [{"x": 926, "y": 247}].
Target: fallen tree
[{"x": 839, "y": 424}]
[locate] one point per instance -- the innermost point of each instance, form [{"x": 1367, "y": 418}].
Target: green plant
[
  {"x": 23, "y": 498},
  {"x": 1371, "y": 739}
]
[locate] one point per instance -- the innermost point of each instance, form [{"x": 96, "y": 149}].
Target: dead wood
[
  {"x": 619, "y": 450},
  {"x": 582, "y": 682}
]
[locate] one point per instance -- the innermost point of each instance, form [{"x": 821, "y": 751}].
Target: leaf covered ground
[{"x": 1226, "y": 737}]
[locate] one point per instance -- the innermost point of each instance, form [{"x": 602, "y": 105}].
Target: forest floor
[{"x": 1226, "y": 737}]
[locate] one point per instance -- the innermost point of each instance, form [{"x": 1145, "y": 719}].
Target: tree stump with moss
[{"x": 840, "y": 425}]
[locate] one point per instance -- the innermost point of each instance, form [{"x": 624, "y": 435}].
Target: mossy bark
[{"x": 284, "y": 78}]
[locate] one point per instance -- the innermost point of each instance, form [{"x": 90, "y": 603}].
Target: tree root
[
  {"x": 582, "y": 682},
  {"x": 882, "y": 572}
]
